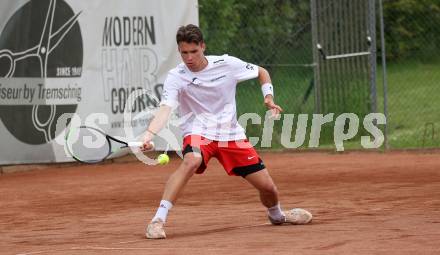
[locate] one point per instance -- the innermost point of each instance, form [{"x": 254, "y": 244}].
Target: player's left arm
[{"x": 268, "y": 93}]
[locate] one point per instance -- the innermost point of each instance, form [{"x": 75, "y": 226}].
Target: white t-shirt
[{"x": 206, "y": 99}]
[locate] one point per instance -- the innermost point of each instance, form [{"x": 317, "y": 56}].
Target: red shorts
[{"x": 237, "y": 157}]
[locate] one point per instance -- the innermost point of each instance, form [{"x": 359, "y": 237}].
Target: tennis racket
[{"x": 90, "y": 145}]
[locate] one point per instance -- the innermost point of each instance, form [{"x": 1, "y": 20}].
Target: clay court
[{"x": 363, "y": 203}]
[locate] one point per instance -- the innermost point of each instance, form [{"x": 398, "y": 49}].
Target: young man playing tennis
[{"x": 203, "y": 87}]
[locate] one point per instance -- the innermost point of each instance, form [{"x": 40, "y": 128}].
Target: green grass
[{"x": 413, "y": 102}]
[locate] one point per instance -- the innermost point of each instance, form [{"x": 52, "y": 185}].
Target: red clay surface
[{"x": 363, "y": 203}]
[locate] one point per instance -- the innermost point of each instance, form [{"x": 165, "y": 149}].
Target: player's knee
[
  {"x": 191, "y": 163},
  {"x": 269, "y": 188}
]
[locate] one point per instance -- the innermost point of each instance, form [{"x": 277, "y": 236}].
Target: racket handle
[
  {"x": 135, "y": 144},
  {"x": 138, "y": 144}
]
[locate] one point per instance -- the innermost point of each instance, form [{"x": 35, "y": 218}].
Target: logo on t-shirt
[
  {"x": 196, "y": 82},
  {"x": 218, "y": 78},
  {"x": 249, "y": 66},
  {"x": 219, "y": 61}
]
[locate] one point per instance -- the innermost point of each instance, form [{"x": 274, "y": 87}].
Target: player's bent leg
[
  {"x": 175, "y": 184},
  {"x": 177, "y": 181},
  {"x": 263, "y": 182}
]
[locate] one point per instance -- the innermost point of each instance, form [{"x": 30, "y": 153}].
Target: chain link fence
[
  {"x": 282, "y": 36},
  {"x": 412, "y": 36}
]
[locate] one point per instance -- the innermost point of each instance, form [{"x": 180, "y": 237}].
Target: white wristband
[{"x": 267, "y": 89}]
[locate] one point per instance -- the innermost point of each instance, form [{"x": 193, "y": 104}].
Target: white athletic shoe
[
  {"x": 296, "y": 216},
  {"x": 155, "y": 230}
]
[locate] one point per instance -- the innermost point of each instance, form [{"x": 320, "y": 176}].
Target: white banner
[{"x": 82, "y": 57}]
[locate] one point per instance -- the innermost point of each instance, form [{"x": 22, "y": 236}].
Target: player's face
[{"x": 193, "y": 55}]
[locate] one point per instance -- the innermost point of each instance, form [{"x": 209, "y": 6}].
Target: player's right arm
[
  {"x": 157, "y": 123},
  {"x": 168, "y": 102}
]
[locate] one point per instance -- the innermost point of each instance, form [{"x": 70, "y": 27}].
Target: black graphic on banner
[{"x": 42, "y": 40}]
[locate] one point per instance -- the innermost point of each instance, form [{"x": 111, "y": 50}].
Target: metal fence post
[
  {"x": 315, "y": 56},
  {"x": 384, "y": 74},
  {"x": 372, "y": 39}
]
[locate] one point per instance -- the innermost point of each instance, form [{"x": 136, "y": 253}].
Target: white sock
[
  {"x": 162, "y": 211},
  {"x": 275, "y": 212}
]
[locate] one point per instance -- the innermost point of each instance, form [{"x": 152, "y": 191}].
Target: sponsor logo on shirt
[
  {"x": 195, "y": 81},
  {"x": 218, "y": 78},
  {"x": 249, "y": 66},
  {"x": 218, "y": 61}
]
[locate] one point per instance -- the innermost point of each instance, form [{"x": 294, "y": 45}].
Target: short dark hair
[{"x": 189, "y": 34}]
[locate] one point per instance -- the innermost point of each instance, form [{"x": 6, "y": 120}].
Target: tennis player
[{"x": 203, "y": 87}]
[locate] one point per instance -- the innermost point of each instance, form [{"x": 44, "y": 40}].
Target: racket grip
[
  {"x": 135, "y": 144},
  {"x": 138, "y": 144}
]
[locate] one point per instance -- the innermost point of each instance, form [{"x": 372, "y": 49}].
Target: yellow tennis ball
[{"x": 163, "y": 159}]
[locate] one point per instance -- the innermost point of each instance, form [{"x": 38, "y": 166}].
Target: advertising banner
[{"x": 66, "y": 62}]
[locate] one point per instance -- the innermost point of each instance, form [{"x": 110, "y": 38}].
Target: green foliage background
[
  {"x": 253, "y": 29},
  {"x": 412, "y": 27}
]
